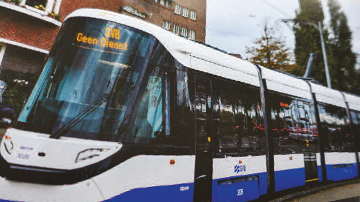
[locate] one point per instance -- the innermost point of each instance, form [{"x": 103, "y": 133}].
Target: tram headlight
[
  {"x": 8, "y": 144},
  {"x": 89, "y": 154}
]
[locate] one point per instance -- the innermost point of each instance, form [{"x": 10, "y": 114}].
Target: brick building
[
  {"x": 186, "y": 18},
  {"x": 28, "y": 28}
]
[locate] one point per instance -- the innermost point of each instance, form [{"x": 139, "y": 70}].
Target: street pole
[{"x": 324, "y": 54}]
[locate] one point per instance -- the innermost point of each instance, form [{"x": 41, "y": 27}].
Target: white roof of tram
[
  {"x": 353, "y": 101},
  {"x": 188, "y": 53},
  {"x": 327, "y": 95},
  {"x": 281, "y": 82}
]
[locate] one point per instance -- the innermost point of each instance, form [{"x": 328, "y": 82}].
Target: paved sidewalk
[{"x": 338, "y": 191}]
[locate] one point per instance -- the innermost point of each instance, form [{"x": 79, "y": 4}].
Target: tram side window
[
  {"x": 356, "y": 126},
  {"x": 283, "y": 123},
  {"x": 357, "y": 130},
  {"x": 238, "y": 121},
  {"x": 335, "y": 126},
  {"x": 183, "y": 127},
  {"x": 148, "y": 126},
  {"x": 292, "y": 124}
]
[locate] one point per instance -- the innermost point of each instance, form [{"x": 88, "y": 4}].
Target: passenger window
[
  {"x": 238, "y": 120},
  {"x": 356, "y": 126},
  {"x": 184, "y": 126},
  {"x": 335, "y": 127},
  {"x": 292, "y": 124},
  {"x": 149, "y": 120}
]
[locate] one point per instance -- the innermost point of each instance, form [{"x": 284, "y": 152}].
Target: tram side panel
[
  {"x": 356, "y": 128},
  {"x": 292, "y": 128},
  {"x": 340, "y": 158},
  {"x": 239, "y": 143},
  {"x": 294, "y": 133},
  {"x": 239, "y": 163},
  {"x": 354, "y": 110}
]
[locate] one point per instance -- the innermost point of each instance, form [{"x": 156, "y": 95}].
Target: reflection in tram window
[
  {"x": 183, "y": 128},
  {"x": 292, "y": 124},
  {"x": 149, "y": 120},
  {"x": 356, "y": 126},
  {"x": 238, "y": 120},
  {"x": 335, "y": 126}
]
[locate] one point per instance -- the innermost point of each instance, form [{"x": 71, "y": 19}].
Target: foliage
[
  {"x": 16, "y": 1},
  {"x": 40, "y": 7},
  {"x": 343, "y": 60},
  {"x": 270, "y": 51},
  {"x": 307, "y": 39},
  {"x": 19, "y": 87}
]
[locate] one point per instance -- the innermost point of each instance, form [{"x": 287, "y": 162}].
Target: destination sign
[{"x": 110, "y": 40}]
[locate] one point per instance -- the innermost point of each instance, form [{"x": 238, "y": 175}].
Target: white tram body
[{"x": 40, "y": 161}]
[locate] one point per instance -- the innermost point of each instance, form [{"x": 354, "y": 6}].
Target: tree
[
  {"x": 270, "y": 51},
  {"x": 307, "y": 39},
  {"x": 343, "y": 59}
]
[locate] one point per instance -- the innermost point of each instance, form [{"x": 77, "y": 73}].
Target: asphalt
[{"x": 343, "y": 191}]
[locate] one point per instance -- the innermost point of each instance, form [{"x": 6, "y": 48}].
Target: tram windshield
[{"x": 90, "y": 81}]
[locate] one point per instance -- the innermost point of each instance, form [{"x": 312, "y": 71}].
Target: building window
[
  {"x": 176, "y": 29},
  {"x": 192, "y": 35},
  {"x": 167, "y": 3},
  {"x": 193, "y": 15},
  {"x": 47, "y": 6},
  {"x": 185, "y": 12},
  {"x": 166, "y": 25},
  {"x": 2, "y": 52},
  {"x": 177, "y": 9},
  {"x": 164, "y": 2},
  {"x": 184, "y": 32}
]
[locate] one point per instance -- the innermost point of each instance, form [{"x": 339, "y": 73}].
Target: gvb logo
[
  {"x": 239, "y": 168},
  {"x": 186, "y": 188},
  {"x": 240, "y": 192}
]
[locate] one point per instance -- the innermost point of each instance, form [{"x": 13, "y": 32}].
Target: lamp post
[{"x": 319, "y": 28}]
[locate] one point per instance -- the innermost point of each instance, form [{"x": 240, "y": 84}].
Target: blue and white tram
[{"x": 126, "y": 111}]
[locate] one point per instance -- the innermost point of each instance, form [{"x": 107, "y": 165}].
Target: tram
[{"x": 127, "y": 111}]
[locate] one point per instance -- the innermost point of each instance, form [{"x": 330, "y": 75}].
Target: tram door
[
  {"x": 311, "y": 173},
  {"x": 309, "y": 141},
  {"x": 203, "y": 159}
]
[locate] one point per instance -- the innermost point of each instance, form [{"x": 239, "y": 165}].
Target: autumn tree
[{"x": 270, "y": 51}]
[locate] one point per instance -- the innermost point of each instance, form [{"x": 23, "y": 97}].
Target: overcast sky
[{"x": 234, "y": 24}]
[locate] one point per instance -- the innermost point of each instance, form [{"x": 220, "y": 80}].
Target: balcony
[{"x": 30, "y": 11}]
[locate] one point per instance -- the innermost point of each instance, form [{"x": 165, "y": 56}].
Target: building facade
[
  {"x": 29, "y": 27},
  {"x": 186, "y": 18}
]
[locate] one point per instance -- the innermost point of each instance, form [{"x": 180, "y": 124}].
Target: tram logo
[
  {"x": 240, "y": 192},
  {"x": 239, "y": 168},
  {"x": 184, "y": 188}
]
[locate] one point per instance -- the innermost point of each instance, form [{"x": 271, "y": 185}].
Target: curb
[{"x": 315, "y": 190}]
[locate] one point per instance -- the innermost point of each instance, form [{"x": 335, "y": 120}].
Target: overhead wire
[{"x": 276, "y": 8}]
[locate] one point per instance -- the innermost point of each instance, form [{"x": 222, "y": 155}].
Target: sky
[{"x": 234, "y": 24}]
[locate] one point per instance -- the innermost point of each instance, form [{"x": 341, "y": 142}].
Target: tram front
[{"x": 101, "y": 87}]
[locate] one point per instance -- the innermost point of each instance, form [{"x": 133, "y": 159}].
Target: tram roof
[
  {"x": 284, "y": 83},
  {"x": 328, "y": 96},
  {"x": 353, "y": 101}
]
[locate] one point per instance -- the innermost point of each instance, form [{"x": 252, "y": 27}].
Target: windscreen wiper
[{"x": 84, "y": 113}]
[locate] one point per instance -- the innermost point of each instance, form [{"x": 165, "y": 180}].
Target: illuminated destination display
[{"x": 110, "y": 40}]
